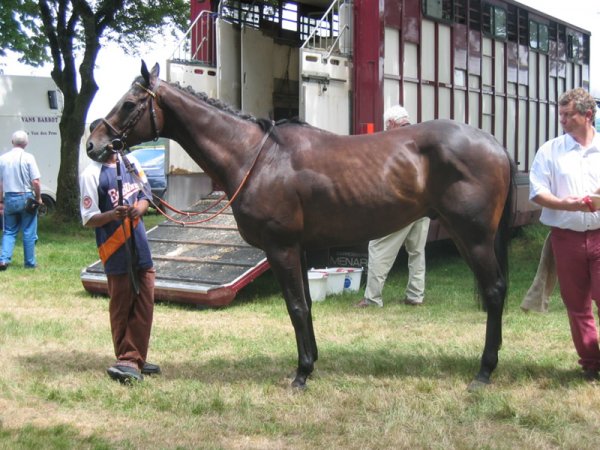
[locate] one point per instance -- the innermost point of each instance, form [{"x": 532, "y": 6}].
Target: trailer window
[
  {"x": 574, "y": 46},
  {"x": 438, "y": 9},
  {"x": 538, "y": 36},
  {"x": 494, "y": 21},
  {"x": 287, "y": 19}
]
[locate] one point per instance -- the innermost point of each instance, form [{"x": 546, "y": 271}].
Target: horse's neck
[{"x": 219, "y": 142}]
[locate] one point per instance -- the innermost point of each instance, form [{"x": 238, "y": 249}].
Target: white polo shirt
[{"x": 564, "y": 168}]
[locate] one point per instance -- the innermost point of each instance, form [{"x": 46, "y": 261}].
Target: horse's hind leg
[
  {"x": 482, "y": 259},
  {"x": 287, "y": 267},
  {"x": 308, "y": 298}
]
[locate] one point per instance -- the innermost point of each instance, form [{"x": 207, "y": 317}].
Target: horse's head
[{"x": 134, "y": 119}]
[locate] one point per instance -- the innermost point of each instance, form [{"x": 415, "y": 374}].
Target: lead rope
[{"x": 233, "y": 197}]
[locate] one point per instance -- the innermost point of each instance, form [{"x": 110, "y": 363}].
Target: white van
[{"x": 34, "y": 104}]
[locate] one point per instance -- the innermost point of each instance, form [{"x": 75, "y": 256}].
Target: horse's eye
[{"x": 128, "y": 106}]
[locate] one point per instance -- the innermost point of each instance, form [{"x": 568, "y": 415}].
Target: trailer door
[
  {"x": 228, "y": 63},
  {"x": 257, "y": 72},
  {"x": 325, "y": 91}
]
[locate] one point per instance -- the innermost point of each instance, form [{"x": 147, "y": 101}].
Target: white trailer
[{"x": 33, "y": 104}]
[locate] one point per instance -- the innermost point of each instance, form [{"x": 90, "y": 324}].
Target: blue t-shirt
[{"x": 99, "y": 193}]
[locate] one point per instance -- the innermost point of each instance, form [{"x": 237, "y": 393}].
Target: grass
[{"x": 386, "y": 378}]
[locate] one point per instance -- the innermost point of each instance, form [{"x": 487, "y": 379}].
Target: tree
[{"x": 71, "y": 32}]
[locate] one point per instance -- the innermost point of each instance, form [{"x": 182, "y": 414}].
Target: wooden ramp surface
[{"x": 205, "y": 264}]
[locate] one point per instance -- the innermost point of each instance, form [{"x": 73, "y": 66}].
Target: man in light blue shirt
[{"x": 19, "y": 181}]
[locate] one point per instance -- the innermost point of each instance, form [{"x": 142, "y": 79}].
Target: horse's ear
[
  {"x": 150, "y": 77},
  {"x": 155, "y": 71},
  {"x": 145, "y": 73}
]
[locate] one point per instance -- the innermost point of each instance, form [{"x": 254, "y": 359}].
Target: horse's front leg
[{"x": 287, "y": 267}]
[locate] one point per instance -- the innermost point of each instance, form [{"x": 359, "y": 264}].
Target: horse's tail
[{"x": 503, "y": 235}]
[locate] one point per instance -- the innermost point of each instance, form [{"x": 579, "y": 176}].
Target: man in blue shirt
[{"x": 19, "y": 181}]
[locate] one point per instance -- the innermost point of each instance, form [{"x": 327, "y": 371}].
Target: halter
[{"x": 121, "y": 141}]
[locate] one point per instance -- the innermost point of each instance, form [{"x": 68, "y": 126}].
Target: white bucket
[
  {"x": 352, "y": 280},
  {"x": 335, "y": 279},
  {"x": 317, "y": 285}
]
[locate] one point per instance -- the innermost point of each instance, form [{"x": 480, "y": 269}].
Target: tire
[{"x": 49, "y": 203}]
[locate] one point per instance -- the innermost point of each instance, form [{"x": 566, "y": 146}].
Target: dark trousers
[{"x": 131, "y": 317}]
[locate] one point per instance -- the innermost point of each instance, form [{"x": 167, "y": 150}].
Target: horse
[{"x": 294, "y": 187}]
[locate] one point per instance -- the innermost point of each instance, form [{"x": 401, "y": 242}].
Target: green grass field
[{"x": 386, "y": 378}]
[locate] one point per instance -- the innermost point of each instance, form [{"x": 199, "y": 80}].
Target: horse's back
[{"x": 459, "y": 136}]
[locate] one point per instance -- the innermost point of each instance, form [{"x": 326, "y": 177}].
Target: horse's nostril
[{"x": 90, "y": 146}]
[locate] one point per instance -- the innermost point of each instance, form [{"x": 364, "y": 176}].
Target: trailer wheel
[{"x": 49, "y": 203}]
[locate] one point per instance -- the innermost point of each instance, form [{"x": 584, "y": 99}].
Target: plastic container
[
  {"x": 317, "y": 285},
  {"x": 335, "y": 279},
  {"x": 352, "y": 279}
]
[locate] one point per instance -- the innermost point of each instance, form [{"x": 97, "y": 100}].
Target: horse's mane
[
  {"x": 264, "y": 123},
  {"x": 292, "y": 121}
]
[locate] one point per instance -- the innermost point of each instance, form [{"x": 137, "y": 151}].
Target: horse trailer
[{"x": 494, "y": 64}]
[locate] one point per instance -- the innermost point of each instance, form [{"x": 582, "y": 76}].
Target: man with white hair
[
  {"x": 19, "y": 181},
  {"x": 383, "y": 251}
]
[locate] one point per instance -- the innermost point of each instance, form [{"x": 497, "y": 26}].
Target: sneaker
[
  {"x": 124, "y": 374},
  {"x": 408, "y": 301},
  {"x": 150, "y": 369},
  {"x": 3, "y": 266}
]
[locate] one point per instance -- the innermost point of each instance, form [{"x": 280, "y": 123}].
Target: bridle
[{"x": 120, "y": 142}]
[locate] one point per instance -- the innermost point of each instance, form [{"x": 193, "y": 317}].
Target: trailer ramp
[{"x": 204, "y": 264}]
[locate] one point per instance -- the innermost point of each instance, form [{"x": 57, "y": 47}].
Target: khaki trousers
[
  {"x": 538, "y": 295},
  {"x": 383, "y": 253}
]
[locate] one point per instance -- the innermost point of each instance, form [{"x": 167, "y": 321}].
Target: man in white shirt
[
  {"x": 565, "y": 171},
  {"x": 19, "y": 181}
]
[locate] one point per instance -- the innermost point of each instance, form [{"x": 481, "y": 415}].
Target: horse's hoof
[
  {"x": 477, "y": 385},
  {"x": 298, "y": 385},
  {"x": 299, "y": 382}
]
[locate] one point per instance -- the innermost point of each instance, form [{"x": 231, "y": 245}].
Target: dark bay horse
[{"x": 297, "y": 187}]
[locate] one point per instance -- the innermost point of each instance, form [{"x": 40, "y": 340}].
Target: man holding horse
[
  {"x": 114, "y": 197},
  {"x": 383, "y": 251},
  {"x": 565, "y": 172}
]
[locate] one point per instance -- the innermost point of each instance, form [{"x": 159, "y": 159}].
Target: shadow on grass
[{"x": 335, "y": 362}]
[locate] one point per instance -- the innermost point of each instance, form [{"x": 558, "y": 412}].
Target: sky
[{"x": 116, "y": 70}]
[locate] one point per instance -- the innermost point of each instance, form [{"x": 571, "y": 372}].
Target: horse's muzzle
[{"x": 99, "y": 155}]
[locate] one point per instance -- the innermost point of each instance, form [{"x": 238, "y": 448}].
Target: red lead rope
[{"x": 233, "y": 197}]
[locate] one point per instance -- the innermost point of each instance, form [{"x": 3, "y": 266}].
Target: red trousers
[
  {"x": 577, "y": 256},
  {"x": 131, "y": 317}
]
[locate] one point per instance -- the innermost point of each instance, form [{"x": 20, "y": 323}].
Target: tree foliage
[{"x": 69, "y": 34}]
